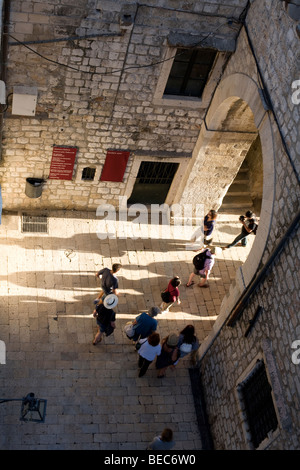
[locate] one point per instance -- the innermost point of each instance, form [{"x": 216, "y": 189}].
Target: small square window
[
  {"x": 189, "y": 72},
  {"x": 88, "y": 174},
  {"x": 256, "y": 398}
]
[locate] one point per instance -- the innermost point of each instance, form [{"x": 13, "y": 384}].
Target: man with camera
[{"x": 249, "y": 226}]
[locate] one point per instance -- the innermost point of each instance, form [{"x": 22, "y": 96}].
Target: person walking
[
  {"x": 169, "y": 354},
  {"x": 149, "y": 349},
  {"x": 209, "y": 225},
  {"x": 249, "y": 225},
  {"x": 207, "y": 229},
  {"x": 162, "y": 442},
  {"x": 188, "y": 343},
  {"x": 144, "y": 324},
  {"x": 109, "y": 281},
  {"x": 106, "y": 318},
  {"x": 203, "y": 264},
  {"x": 171, "y": 295}
]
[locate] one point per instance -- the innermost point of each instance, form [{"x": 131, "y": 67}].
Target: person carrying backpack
[{"x": 203, "y": 264}]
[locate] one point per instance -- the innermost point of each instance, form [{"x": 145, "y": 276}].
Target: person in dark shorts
[
  {"x": 106, "y": 318},
  {"x": 109, "y": 281}
]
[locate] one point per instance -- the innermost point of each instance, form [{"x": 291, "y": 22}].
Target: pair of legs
[
  {"x": 240, "y": 238},
  {"x": 197, "y": 236},
  {"x": 99, "y": 334},
  {"x": 162, "y": 372},
  {"x": 165, "y": 307},
  {"x": 143, "y": 365},
  {"x": 191, "y": 282}
]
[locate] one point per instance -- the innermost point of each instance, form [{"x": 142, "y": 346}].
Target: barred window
[
  {"x": 88, "y": 174},
  {"x": 256, "y": 397}
]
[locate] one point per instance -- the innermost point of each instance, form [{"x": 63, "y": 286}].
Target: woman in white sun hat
[{"x": 105, "y": 317}]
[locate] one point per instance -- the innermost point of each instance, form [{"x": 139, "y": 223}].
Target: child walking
[{"x": 171, "y": 295}]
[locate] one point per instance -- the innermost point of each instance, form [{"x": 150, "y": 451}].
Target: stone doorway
[{"x": 153, "y": 182}]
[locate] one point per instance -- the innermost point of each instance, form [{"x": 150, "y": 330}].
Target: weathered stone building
[{"x": 95, "y": 96}]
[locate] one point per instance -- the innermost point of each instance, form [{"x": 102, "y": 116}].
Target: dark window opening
[
  {"x": 190, "y": 71},
  {"x": 153, "y": 182},
  {"x": 88, "y": 174},
  {"x": 258, "y": 402}
]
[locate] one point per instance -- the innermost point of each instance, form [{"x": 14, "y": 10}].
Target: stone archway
[{"x": 235, "y": 118}]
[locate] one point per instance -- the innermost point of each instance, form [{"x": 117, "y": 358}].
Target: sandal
[{"x": 189, "y": 285}]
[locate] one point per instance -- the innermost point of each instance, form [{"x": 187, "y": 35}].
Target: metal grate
[
  {"x": 156, "y": 173},
  {"x": 34, "y": 224},
  {"x": 88, "y": 174},
  {"x": 258, "y": 402}
]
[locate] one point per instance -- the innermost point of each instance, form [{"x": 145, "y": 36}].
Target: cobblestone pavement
[{"x": 95, "y": 399}]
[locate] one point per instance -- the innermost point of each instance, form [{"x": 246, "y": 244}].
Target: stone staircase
[{"x": 238, "y": 197}]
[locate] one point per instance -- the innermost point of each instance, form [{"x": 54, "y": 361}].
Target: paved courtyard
[{"x": 95, "y": 400}]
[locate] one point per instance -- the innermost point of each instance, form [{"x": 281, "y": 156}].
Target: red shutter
[{"x": 115, "y": 165}]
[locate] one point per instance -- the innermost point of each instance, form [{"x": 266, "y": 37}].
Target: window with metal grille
[
  {"x": 256, "y": 396},
  {"x": 156, "y": 172},
  {"x": 34, "y": 224},
  {"x": 88, "y": 174},
  {"x": 190, "y": 71}
]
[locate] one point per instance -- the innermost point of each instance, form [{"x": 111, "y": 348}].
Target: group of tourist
[{"x": 143, "y": 329}]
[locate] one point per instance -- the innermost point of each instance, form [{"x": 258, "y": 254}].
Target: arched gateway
[{"x": 236, "y": 115}]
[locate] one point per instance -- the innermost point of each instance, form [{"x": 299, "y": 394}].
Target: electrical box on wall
[
  {"x": 24, "y": 100},
  {"x": 2, "y": 92}
]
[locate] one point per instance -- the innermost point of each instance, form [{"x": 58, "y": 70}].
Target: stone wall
[
  {"x": 254, "y": 163},
  {"x": 271, "y": 339},
  {"x": 97, "y": 93},
  {"x": 103, "y": 97},
  {"x": 228, "y": 356}
]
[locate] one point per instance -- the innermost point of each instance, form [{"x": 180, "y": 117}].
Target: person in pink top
[{"x": 173, "y": 292}]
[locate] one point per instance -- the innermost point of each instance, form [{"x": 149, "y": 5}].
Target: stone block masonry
[
  {"x": 230, "y": 356},
  {"x": 104, "y": 97},
  {"x": 94, "y": 93}
]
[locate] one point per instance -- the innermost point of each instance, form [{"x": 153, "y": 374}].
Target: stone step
[
  {"x": 242, "y": 175},
  {"x": 238, "y": 197},
  {"x": 243, "y": 202},
  {"x": 241, "y": 179},
  {"x": 238, "y": 189}
]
